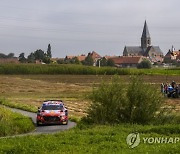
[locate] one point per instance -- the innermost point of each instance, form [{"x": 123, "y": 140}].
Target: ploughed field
[{"x": 31, "y": 90}]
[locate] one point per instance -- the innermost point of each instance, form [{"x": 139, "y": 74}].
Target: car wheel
[{"x": 38, "y": 124}]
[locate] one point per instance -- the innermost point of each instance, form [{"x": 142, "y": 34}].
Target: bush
[
  {"x": 142, "y": 101},
  {"x": 144, "y": 64},
  {"x": 106, "y": 102},
  {"x": 117, "y": 102}
]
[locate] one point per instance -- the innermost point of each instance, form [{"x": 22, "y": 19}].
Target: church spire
[{"x": 145, "y": 38}]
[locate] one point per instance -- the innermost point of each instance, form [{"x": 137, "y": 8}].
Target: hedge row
[{"x": 79, "y": 70}]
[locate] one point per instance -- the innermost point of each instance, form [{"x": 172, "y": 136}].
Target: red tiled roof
[
  {"x": 81, "y": 58},
  {"x": 70, "y": 57},
  {"x": 109, "y": 57},
  {"x": 127, "y": 60},
  {"x": 95, "y": 55}
]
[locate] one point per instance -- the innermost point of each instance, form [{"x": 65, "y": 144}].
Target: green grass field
[
  {"x": 94, "y": 139},
  {"x": 13, "y": 123},
  {"x": 28, "y": 92}
]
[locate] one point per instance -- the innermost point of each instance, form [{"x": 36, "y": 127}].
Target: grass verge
[
  {"x": 18, "y": 105},
  {"x": 13, "y": 123},
  {"x": 94, "y": 139}
]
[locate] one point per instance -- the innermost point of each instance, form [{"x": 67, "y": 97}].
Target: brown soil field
[{"x": 73, "y": 89}]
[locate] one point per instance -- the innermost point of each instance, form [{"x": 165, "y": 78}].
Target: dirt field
[{"x": 73, "y": 89}]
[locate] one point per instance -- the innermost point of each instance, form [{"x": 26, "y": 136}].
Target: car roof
[{"x": 53, "y": 102}]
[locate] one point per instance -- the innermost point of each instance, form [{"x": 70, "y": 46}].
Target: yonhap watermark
[
  {"x": 133, "y": 140},
  {"x": 162, "y": 140}
]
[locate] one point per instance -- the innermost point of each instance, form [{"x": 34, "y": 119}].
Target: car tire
[{"x": 38, "y": 124}]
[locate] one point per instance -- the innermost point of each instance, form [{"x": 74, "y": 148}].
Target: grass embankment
[
  {"x": 80, "y": 70},
  {"x": 18, "y": 105},
  {"x": 94, "y": 139},
  {"x": 13, "y": 123}
]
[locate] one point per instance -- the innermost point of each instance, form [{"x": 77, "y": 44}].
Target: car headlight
[{"x": 63, "y": 117}]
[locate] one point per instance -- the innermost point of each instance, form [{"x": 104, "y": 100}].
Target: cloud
[{"x": 76, "y": 26}]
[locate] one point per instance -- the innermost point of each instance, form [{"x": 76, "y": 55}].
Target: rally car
[{"x": 52, "y": 112}]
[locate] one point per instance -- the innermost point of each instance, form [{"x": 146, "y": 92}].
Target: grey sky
[{"x": 73, "y": 27}]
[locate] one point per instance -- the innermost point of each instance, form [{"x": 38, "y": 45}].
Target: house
[
  {"x": 109, "y": 57},
  {"x": 55, "y": 60},
  {"x": 178, "y": 57},
  {"x": 153, "y": 53},
  {"x": 69, "y": 57},
  {"x": 80, "y": 58},
  {"x": 172, "y": 55},
  {"x": 128, "y": 61},
  {"x": 9, "y": 60},
  {"x": 95, "y": 56}
]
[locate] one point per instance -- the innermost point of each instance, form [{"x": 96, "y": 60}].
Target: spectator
[
  {"x": 166, "y": 88},
  {"x": 173, "y": 84},
  {"x": 162, "y": 88}
]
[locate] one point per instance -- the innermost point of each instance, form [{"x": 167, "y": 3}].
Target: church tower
[{"x": 145, "y": 38}]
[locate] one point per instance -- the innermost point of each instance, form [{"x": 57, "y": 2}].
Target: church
[{"x": 153, "y": 53}]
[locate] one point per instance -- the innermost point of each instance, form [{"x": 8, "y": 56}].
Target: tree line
[
  {"x": 39, "y": 55},
  {"x": 10, "y": 55},
  {"x": 89, "y": 61}
]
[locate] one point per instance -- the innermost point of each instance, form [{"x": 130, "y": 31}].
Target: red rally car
[{"x": 52, "y": 112}]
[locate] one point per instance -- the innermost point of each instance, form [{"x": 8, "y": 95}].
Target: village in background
[{"x": 143, "y": 56}]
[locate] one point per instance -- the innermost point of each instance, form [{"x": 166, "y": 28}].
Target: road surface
[{"x": 43, "y": 129}]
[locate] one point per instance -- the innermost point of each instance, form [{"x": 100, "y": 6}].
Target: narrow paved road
[{"x": 44, "y": 129}]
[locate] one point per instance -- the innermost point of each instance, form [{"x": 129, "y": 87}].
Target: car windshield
[{"x": 52, "y": 107}]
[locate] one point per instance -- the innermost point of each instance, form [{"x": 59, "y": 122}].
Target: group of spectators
[{"x": 171, "y": 90}]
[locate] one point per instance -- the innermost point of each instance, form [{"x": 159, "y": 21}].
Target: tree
[
  {"x": 31, "y": 58},
  {"x": 75, "y": 60},
  {"x": 2, "y": 55},
  {"x": 39, "y": 55},
  {"x": 110, "y": 62},
  {"x": 46, "y": 59},
  {"x": 60, "y": 61},
  {"x": 49, "y": 54},
  {"x": 102, "y": 62},
  {"x": 67, "y": 60},
  {"x": 10, "y": 55},
  {"x": 88, "y": 61},
  {"x": 22, "y": 58},
  {"x": 144, "y": 64}
]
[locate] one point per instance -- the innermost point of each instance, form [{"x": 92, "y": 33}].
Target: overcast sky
[{"x": 73, "y": 27}]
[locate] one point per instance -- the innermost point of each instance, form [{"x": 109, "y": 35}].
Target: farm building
[{"x": 127, "y": 61}]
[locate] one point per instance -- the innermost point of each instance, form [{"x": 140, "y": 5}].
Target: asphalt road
[{"x": 44, "y": 129}]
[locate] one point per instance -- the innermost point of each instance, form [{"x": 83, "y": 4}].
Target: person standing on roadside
[
  {"x": 162, "y": 88},
  {"x": 173, "y": 84}
]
